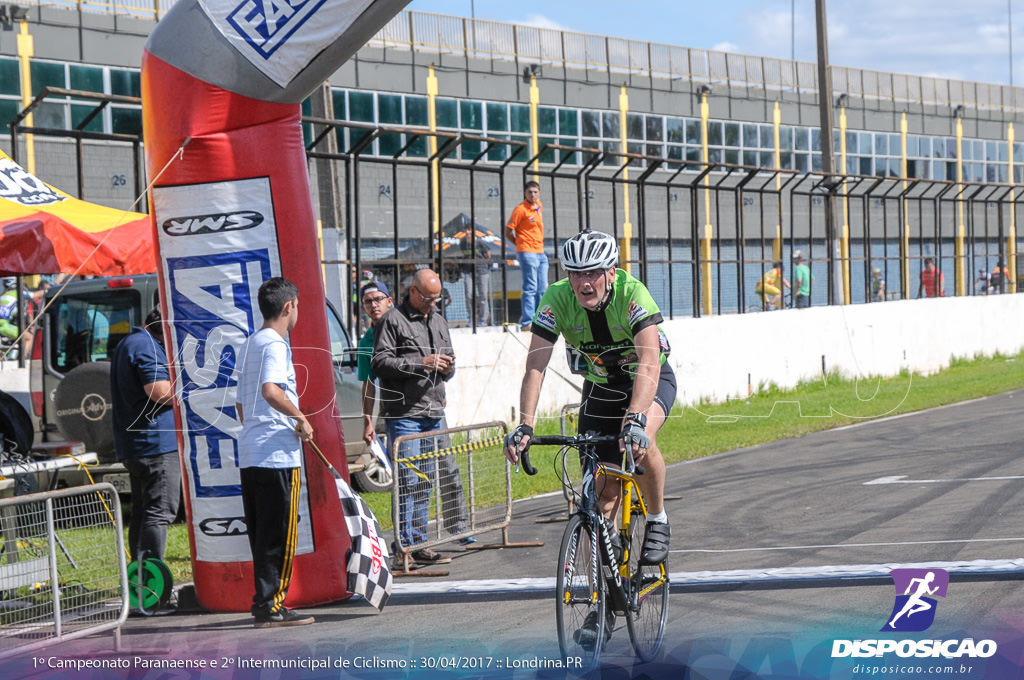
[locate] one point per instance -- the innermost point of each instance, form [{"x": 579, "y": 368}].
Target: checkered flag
[{"x": 369, "y": 567}]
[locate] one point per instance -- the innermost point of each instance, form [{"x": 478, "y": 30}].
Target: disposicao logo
[
  {"x": 916, "y": 590},
  {"x": 914, "y": 611}
]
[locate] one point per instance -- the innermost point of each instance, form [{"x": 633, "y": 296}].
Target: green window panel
[
  {"x": 79, "y": 113},
  {"x": 520, "y": 119},
  {"x": 361, "y": 106},
  {"x": 88, "y": 78},
  {"x": 472, "y": 115},
  {"x": 548, "y": 155},
  {"x": 416, "y": 111},
  {"x": 447, "y": 113},
  {"x": 338, "y": 101},
  {"x": 499, "y": 152},
  {"x": 568, "y": 122},
  {"x": 732, "y": 156},
  {"x": 471, "y": 148},
  {"x": 497, "y": 118},
  {"x": 390, "y": 143},
  {"x": 419, "y": 148},
  {"x": 570, "y": 157},
  {"x": 125, "y": 82},
  {"x": 389, "y": 109},
  {"x": 10, "y": 77},
  {"x": 547, "y": 120},
  {"x": 45, "y": 73},
  {"x": 9, "y": 108},
  {"x": 126, "y": 121},
  {"x": 654, "y": 128}
]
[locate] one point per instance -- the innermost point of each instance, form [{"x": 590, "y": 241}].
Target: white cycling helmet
[{"x": 589, "y": 250}]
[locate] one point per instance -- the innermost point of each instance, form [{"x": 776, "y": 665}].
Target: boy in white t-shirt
[{"x": 270, "y": 451}]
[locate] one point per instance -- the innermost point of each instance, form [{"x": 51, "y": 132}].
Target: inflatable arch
[{"x": 222, "y": 85}]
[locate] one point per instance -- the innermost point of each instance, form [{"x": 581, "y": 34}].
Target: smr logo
[
  {"x": 916, "y": 590},
  {"x": 267, "y": 24}
]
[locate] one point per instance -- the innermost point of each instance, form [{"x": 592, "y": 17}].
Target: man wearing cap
[
  {"x": 801, "y": 281},
  {"x": 376, "y": 300}
]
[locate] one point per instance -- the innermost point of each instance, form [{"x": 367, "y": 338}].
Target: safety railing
[
  {"x": 448, "y": 485},
  {"x": 62, "y": 568}
]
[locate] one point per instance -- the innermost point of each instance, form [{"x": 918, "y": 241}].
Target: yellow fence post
[
  {"x": 627, "y": 225},
  {"x": 434, "y": 168},
  {"x": 961, "y": 229},
  {"x": 777, "y": 127},
  {"x": 705, "y": 242},
  {"x": 1011, "y": 237},
  {"x": 26, "y": 50}
]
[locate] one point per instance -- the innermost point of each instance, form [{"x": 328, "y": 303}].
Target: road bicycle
[{"x": 596, "y": 572}]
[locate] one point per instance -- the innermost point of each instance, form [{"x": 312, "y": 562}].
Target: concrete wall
[{"x": 715, "y": 357}]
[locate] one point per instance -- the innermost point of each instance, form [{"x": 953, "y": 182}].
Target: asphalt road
[{"x": 778, "y": 551}]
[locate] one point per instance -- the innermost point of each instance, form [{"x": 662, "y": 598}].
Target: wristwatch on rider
[{"x": 638, "y": 418}]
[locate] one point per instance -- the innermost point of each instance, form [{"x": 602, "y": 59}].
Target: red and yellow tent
[{"x": 46, "y": 231}]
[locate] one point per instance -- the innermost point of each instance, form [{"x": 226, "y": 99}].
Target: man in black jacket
[{"x": 413, "y": 358}]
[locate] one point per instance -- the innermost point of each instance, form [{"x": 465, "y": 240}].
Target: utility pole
[{"x": 827, "y": 159}]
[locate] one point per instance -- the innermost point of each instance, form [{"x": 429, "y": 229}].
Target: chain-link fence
[{"x": 62, "y": 567}]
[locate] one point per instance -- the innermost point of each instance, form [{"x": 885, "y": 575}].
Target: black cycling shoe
[
  {"x": 586, "y": 635},
  {"x": 656, "y": 539}
]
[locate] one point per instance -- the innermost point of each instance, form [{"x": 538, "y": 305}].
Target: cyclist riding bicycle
[{"x": 610, "y": 321}]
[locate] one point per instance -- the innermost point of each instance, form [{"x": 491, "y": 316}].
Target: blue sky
[{"x": 946, "y": 38}]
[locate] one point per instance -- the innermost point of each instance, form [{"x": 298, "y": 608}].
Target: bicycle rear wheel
[
  {"x": 648, "y": 596},
  {"x": 579, "y": 590}
]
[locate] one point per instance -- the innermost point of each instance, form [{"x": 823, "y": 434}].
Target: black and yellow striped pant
[{"x": 270, "y": 498}]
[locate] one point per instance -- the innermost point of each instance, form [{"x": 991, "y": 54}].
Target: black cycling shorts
[{"x": 603, "y": 407}]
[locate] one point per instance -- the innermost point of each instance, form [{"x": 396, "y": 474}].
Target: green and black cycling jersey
[{"x": 604, "y": 342}]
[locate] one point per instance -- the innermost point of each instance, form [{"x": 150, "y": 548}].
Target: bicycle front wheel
[
  {"x": 580, "y": 591},
  {"x": 648, "y": 596}
]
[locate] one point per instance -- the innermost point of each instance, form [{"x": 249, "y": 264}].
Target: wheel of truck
[
  {"x": 15, "y": 427},
  {"x": 374, "y": 478},
  {"x": 84, "y": 409}
]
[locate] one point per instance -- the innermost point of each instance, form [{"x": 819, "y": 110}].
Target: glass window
[
  {"x": 447, "y": 113},
  {"x": 79, "y": 112},
  {"x": 895, "y": 144},
  {"x": 865, "y": 165},
  {"x": 472, "y": 115},
  {"x": 45, "y": 73},
  {"x": 991, "y": 153},
  {"x": 548, "y": 155},
  {"x": 676, "y": 129},
  {"x": 732, "y": 134},
  {"x": 362, "y": 106},
  {"x": 714, "y": 133},
  {"x": 634, "y": 126},
  {"x": 656, "y": 150},
  {"x": 416, "y": 111},
  {"x": 9, "y": 108},
  {"x": 924, "y": 147},
  {"x": 10, "y": 79},
  {"x": 591, "y": 123},
  {"x": 750, "y": 158},
  {"x": 568, "y": 123},
  {"x": 851, "y": 142},
  {"x": 816, "y": 162},
  {"x": 471, "y": 148},
  {"x": 881, "y": 145},
  {"x": 50, "y": 115},
  {"x": 655, "y": 128},
  {"x": 547, "y": 119},
  {"x": 767, "y": 159},
  {"x": 389, "y": 109},
  {"x": 389, "y": 143},
  {"x": 816, "y": 140},
  {"x": 337, "y": 100},
  {"x": 1018, "y": 152},
  {"x": 497, "y": 118},
  {"x": 89, "y": 325},
  {"x": 750, "y": 136},
  {"x": 610, "y": 125},
  {"x": 87, "y": 78},
  {"x": 567, "y": 156},
  {"x": 693, "y": 135},
  {"x": 785, "y": 139},
  {"x": 693, "y": 153},
  {"x": 767, "y": 136},
  {"x": 125, "y": 82},
  {"x": 950, "y": 147},
  {"x": 913, "y": 145},
  {"x": 732, "y": 156}
]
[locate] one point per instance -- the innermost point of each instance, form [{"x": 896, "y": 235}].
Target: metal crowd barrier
[
  {"x": 469, "y": 485},
  {"x": 63, "y": 573}
]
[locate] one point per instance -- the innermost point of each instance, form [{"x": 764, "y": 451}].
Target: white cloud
[{"x": 541, "y": 21}]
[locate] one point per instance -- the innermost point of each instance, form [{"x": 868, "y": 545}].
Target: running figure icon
[{"x": 917, "y": 590}]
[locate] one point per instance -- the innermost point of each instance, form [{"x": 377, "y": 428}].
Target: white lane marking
[
  {"x": 778, "y": 575},
  {"x": 850, "y": 545},
  {"x": 902, "y": 479}
]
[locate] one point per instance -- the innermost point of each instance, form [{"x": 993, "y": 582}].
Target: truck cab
[{"x": 70, "y": 374}]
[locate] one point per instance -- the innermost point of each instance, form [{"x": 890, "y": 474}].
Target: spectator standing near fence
[
  {"x": 270, "y": 452},
  {"x": 525, "y": 229},
  {"x": 376, "y": 301},
  {"x": 144, "y": 435},
  {"x": 413, "y": 357},
  {"x": 802, "y": 279},
  {"x": 999, "y": 278},
  {"x": 933, "y": 283},
  {"x": 877, "y": 285}
]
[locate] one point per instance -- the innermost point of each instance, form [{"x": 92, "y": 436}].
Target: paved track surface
[{"x": 779, "y": 550}]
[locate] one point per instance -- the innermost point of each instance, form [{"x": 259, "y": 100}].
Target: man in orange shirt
[
  {"x": 933, "y": 283},
  {"x": 525, "y": 228}
]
